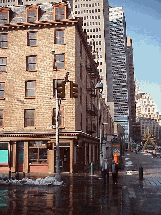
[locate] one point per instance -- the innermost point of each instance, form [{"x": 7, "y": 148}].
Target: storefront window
[
  {"x": 37, "y": 152},
  {"x": 3, "y": 152}
]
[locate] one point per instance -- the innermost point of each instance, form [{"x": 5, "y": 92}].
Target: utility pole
[{"x": 58, "y": 176}]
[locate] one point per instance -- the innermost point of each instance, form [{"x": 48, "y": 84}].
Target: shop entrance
[
  {"x": 64, "y": 159},
  {"x": 20, "y": 156}
]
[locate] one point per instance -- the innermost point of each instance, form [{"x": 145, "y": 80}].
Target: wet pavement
[{"x": 84, "y": 194}]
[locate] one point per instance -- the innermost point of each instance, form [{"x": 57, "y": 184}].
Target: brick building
[{"x": 28, "y": 72}]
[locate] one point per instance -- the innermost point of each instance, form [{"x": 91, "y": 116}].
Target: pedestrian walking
[
  {"x": 105, "y": 170},
  {"x": 154, "y": 153},
  {"x": 114, "y": 172}
]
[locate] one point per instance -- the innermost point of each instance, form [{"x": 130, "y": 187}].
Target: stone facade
[{"x": 79, "y": 133}]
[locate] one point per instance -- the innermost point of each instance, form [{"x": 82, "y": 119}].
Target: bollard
[
  {"x": 23, "y": 175},
  {"x": 17, "y": 176},
  {"x": 9, "y": 174},
  {"x": 140, "y": 173},
  {"x": 92, "y": 168}
]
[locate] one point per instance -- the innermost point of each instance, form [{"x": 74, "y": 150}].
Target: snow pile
[{"x": 26, "y": 181}]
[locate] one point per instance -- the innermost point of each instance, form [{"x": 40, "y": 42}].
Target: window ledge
[
  {"x": 59, "y": 43},
  {"x": 3, "y": 164},
  {"x": 31, "y": 70},
  {"x": 2, "y": 98},
  {"x": 4, "y": 71},
  {"x": 4, "y": 47},
  {"x": 32, "y": 46},
  {"x": 38, "y": 164},
  {"x": 30, "y": 97},
  {"x": 60, "y": 127},
  {"x": 58, "y": 69}
]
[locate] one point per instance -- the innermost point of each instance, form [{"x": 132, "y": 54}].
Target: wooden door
[{"x": 20, "y": 156}]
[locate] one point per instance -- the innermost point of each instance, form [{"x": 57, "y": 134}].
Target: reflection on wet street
[{"x": 77, "y": 195}]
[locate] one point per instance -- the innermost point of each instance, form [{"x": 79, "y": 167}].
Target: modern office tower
[
  {"x": 131, "y": 89},
  {"x": 119, "y": 67},
  {"x": 95, "y": 16}
]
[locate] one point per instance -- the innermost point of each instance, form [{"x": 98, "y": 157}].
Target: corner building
[{"x": 28, "y": 71}]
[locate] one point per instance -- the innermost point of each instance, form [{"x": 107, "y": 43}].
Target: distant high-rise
[
  {"x": 131, "y": 88},
  {"x": 95, "y": 16},
  {"x": 120, "y": 68}
]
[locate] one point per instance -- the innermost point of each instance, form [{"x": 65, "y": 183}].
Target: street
[{"x": 84, "y": 194}]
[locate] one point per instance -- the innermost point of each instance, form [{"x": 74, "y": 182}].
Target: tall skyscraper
[
  {"x": 95, "y": 16},
  {"x": 131, "y": 88},
  {"x": 120, "y": 69}
]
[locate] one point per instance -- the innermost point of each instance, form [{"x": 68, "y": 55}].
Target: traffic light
[
  {"x": 73, "y": 90},
  {"x": 49, "y": 145},
  {"x": 61, "y": 89}
]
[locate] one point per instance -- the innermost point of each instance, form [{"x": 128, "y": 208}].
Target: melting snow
[{"x": 26, "y": 181}]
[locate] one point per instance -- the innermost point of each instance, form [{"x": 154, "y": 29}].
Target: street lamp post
[
  {"x": 57, "y": 176},
  {"x": 99, "y": 87}
]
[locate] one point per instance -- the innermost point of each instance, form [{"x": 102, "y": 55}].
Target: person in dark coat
[
  {"x": 114, "y": 172},
  {"x": 105, "y": 170}
]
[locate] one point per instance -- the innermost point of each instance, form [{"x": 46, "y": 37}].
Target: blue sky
[{"x": 143, "y": 25}]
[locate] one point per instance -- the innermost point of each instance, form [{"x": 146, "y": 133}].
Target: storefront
[{"x": 33, "y": 154}]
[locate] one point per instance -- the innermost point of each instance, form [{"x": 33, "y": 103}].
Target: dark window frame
[
  {"x": 2, "y": 90},
  {"x": 59, "y": 39},
  {"x": 3, "y": 65},
  {"x": 32, "y": 17},
  {"x": 30, "y": 40},
  {"x": 1, "y": 118},
  {"x": 34, "y": 63},
  {"x": 27, "y": 118},
  {"x": 60, "y": 12},
  {"x": 3, "y": 41},
  {"x": 27, "y": 88},
  {"x": 56, "y": 62},
  {"x": 38, "y": 159},
  {"x": 4, "y": 20}
]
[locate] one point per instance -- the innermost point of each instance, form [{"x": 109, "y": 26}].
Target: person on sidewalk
[
  {"x": 105, "y": 170},
  {"x": 114, "y": 172}
]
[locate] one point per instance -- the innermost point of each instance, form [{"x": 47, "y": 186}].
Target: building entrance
[
  {"x": 20, "y": 156},
  {"x": 64, "y": 159}
]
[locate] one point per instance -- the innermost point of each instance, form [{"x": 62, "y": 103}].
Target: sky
[{"x": 143, "y": 25}]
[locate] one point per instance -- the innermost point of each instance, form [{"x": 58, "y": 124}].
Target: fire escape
[{"x": 91, "y": 109}]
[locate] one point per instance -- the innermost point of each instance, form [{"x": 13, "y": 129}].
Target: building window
[
  {"x": 29, "y": 117},
  {"x": 60, "y": 12},
  {"x": 3, "y": 153},
  {"x": 59, "y": 61},
  {"x": 32, "y": 15},
  {"x": 30, "y": 89},
  {"x": 61, "y": 117},
  {"x": 1, "y": 90},
  {"x": 32, "y": 38},
  {"x": 31, "y": 63},
  {"x": 59, "y": 36},
  {"x": 3, "y": 18},
  {"x": 3, "y": 61},
  {"x": 37, "y": 152},
  {"x": 3, "y": 40},
  {"x": 1, "y": 118}
]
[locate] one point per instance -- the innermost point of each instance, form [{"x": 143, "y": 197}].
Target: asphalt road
[
  {"x": 141, "y": 196},
  {"x": 81, "y": 194}
]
